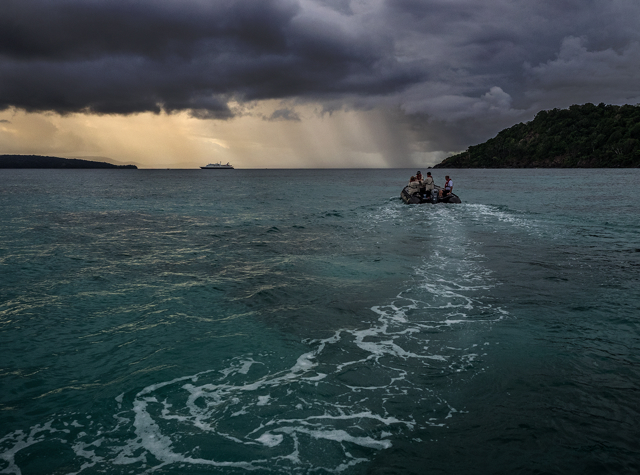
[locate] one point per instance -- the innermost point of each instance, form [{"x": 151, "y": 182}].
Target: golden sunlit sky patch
[{"x": 337, "y": 140}]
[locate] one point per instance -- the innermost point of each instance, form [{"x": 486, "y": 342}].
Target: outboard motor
[{"x": 434, "y": 196}]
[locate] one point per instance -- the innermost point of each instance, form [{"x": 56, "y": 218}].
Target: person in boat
[
  {"x": 420, "y": 179},
  {"x": 427, "y": 184},
  {"x": 414, "y": 185},
  {"x": 448, "y": 187}
]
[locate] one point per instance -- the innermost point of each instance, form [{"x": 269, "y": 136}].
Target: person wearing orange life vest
[{"x": 448, "y": 187}]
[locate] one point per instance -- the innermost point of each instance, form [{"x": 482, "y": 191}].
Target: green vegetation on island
[
  {"x": 37, "y": 161},
  {"x": 583, "y": 136}
]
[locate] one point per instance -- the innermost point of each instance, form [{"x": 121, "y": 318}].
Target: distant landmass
[
  {"x": 582, "y": 136},
  {"x": 38, "y": 161}
]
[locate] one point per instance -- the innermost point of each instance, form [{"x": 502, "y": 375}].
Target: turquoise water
[{"x": 307, "y": 321}]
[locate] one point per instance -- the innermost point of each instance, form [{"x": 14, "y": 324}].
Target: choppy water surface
[{"x": 307, "y": 321}]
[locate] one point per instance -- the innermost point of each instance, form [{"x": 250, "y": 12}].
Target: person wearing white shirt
[{"x": 448, "y": 187}]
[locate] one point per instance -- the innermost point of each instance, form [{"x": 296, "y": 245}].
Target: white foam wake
[{"x": 341, "y": 400}]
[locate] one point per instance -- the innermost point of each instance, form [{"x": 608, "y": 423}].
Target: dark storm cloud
[
  {"x": 493, "y": 64},
  {"x": 132, "y": 56},
  {"x": 69, "y": 29},
  {"x": 462, "y": 69},
  {"x": 283, "y": 114}
]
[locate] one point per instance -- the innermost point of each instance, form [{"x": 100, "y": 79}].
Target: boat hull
[
  {"x": 417, "y": 198},
  {"x": 218, "y": 166}
]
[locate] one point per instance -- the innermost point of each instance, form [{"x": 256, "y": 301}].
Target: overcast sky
[{"x": 300, "y": 83}]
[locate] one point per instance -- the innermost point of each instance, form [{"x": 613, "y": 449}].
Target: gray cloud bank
[{"x": 464, "y": 68}]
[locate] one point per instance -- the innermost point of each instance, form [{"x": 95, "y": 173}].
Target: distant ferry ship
[{"x": 218, "y": 166}]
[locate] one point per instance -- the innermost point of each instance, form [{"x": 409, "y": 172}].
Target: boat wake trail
[{"x": 342, "y": 400}]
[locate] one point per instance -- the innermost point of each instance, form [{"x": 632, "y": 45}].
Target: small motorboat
[{"x": 432, "y": 197}]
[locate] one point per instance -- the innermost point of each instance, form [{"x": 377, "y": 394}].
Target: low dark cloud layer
[{"x": 457, "y": 71}]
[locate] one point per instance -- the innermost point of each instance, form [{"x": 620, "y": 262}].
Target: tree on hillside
[{"x": 580, "y": 136}]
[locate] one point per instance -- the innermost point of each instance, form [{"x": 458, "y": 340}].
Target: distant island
[
  {"x": 582, "y": 136},
  {"x": 37, "y": 161}
]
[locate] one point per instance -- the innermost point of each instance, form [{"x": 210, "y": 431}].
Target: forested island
[
  {"x": 38, "y": 161},
  {"x": 582, "y": 136}
]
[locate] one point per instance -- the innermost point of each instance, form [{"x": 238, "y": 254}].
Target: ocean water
[{"x": 308, "y": 321}]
